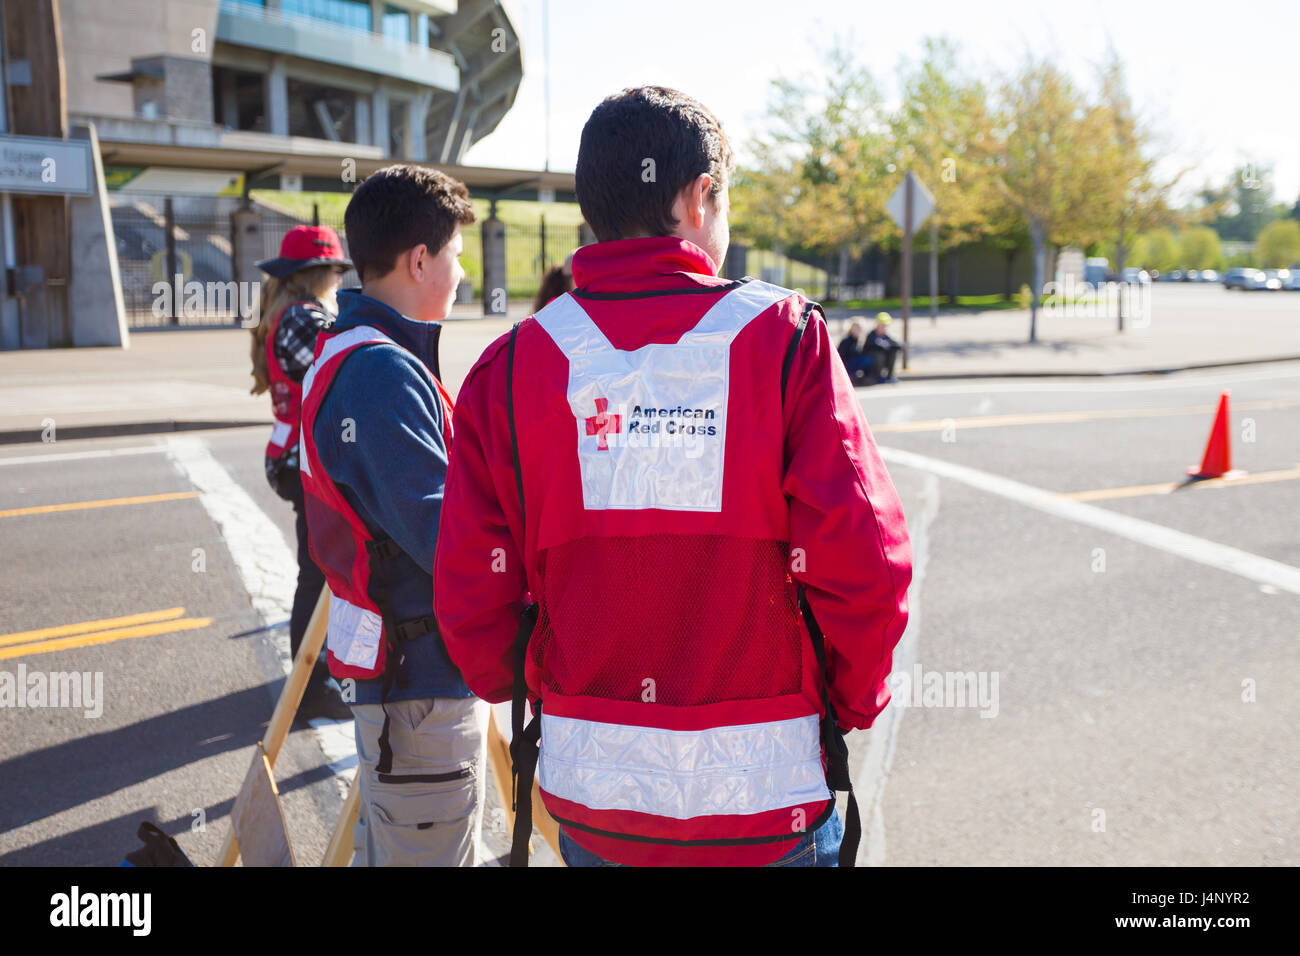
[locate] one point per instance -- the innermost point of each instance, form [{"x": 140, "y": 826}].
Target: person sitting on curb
[
  {"x": 859, "y": 363},
  {"x": 882, "y": 349}
]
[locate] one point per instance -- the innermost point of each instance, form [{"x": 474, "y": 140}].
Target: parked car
[
  {"x": 1275, "y": 279},
  {"x": 1294, "y": 284},
  {"x": 1175, "y": 276},
  {"x": 1096, "y": 270},
  {"x": 1193, "y": 275},
  {"x": 1245, "y": 278},
  {"x": 1210, "y": 275},
  {"x": 1136, "y": 275}
]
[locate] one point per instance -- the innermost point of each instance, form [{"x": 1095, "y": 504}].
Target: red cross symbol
[{"x": 602, "y": 423}]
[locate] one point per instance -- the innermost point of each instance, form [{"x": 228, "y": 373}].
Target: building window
[
  {"x": 347, "y": 13},
  {"x": 322, "y": 112},
  {"x": 239, "y": 99},
  {"x": 397, "y": 24}
]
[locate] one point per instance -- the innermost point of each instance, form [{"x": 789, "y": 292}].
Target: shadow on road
[{"x": 45, "y": 782}]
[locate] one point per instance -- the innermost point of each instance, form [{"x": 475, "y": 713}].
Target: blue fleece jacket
[{"x": 392, "y": 473}]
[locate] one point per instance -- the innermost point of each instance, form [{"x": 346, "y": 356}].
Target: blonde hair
[{"x": 317, "y": 283}]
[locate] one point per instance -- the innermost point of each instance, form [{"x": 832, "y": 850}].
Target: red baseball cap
[{"x": 304, "y": 247}]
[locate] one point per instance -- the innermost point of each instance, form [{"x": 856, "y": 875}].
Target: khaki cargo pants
[{"x": 429, "y": 811}]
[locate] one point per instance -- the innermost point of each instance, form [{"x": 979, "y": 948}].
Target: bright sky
[{"x": 1216, "y": 81}]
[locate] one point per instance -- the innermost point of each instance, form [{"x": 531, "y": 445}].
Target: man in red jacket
[{"x": 671, "y": 472}]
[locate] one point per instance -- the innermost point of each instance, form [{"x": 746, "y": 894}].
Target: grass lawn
[{"x": 921, "y": 304}]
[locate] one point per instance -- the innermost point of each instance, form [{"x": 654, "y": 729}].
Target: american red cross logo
[{"x": 602, "y": 423}]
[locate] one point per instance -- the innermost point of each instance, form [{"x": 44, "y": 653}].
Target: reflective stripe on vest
[
  {"x": 354, "y": 633},
  {"x": 651, "y": 424},
  {"x": 681, "y": 774}
]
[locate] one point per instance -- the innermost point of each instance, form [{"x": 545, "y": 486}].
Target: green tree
[
  {"x": 1278, "y": 245},
  {"x": 937, "y": 128},
  {"x": 1200, "y": 248},
  {"x": 1161, "y": 250},
  {"x": 1137, "y": 194},
  {"x": 1240, "y": 208},
  {"x": 820, "y": 177},
  {"x": 1050, "y": 158}
]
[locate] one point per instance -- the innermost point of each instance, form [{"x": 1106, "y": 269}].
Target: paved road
[
  {"x": 1121, "y": 732},
  {"x": 1116, "y": 730}
]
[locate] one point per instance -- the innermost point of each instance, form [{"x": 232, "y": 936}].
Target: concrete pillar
[
  {"x": 379, "y": 115},
  {"x": 735, "y": 264},
  {"x": 247, "y": 248},
  {"x": 364, "y": 121},
  {"x": 495, "y": 298},
  {"x": 418, "y": 112},
  {"x": 277, "y": 99},
  {"x": 98, "y": 312}
]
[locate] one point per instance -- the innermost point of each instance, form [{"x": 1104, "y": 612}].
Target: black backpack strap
[
  {"x": 793, "y": 347},
  {"x": 382, "y": 553},
  {"x": 837, "y": 751},
  {"x": 524, "y": 749}
]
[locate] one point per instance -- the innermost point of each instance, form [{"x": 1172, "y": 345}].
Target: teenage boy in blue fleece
[{"x": 379, "y": 423}]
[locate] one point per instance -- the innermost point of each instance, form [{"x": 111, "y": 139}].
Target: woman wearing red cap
[{"x": 297, "y": 303}]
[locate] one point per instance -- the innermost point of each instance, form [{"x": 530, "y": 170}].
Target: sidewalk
[
  {"x": 172, "y": 380},
  {"x": 1186, "y": 328}
]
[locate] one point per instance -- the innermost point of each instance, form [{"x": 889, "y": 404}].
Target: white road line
[
  {"x": 870, "y": 779},
  {"x": 1210, "y": 553},
  {"x": 266, "y": 565},
  {"x": 79, "y": 455}
]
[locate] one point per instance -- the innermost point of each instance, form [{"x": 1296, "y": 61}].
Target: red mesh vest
[{"x": 679, "y": 688}]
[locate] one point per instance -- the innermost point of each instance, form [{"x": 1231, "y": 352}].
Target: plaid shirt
[
  {"x": 295, "y": 350},
  {"x": 295, "y": 338}
]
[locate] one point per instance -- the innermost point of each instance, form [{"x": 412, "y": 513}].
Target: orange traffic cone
[{"x": 1217, "y": 461}]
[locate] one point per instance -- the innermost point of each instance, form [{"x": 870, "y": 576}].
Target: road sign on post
[{"x": 909, "y": 206}]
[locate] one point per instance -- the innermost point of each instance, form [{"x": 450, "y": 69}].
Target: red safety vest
[
  {"x": 689, "y": 734},
  {"x": 358, "y": 639},
  {"x": 286, "y": 394}
]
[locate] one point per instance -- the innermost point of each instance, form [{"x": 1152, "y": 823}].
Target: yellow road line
[
  {"x": 64, "y": 630},
  {"x": 1137, "y": 491},
  {"x": 105, "y": 503},
  {"x": 105, "y": 637},
  {"x": 1065, "y": 418}
]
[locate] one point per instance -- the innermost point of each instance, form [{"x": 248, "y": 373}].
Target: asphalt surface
[{"x": 1118, "y": 733}]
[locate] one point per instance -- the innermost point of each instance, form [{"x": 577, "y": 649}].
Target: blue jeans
[{"x": 819, "y": 848}]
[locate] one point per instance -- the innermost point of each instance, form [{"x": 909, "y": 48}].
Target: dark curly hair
[
  {"x": 639, "y": 150},
  {"x": 397, "y": 208}
]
